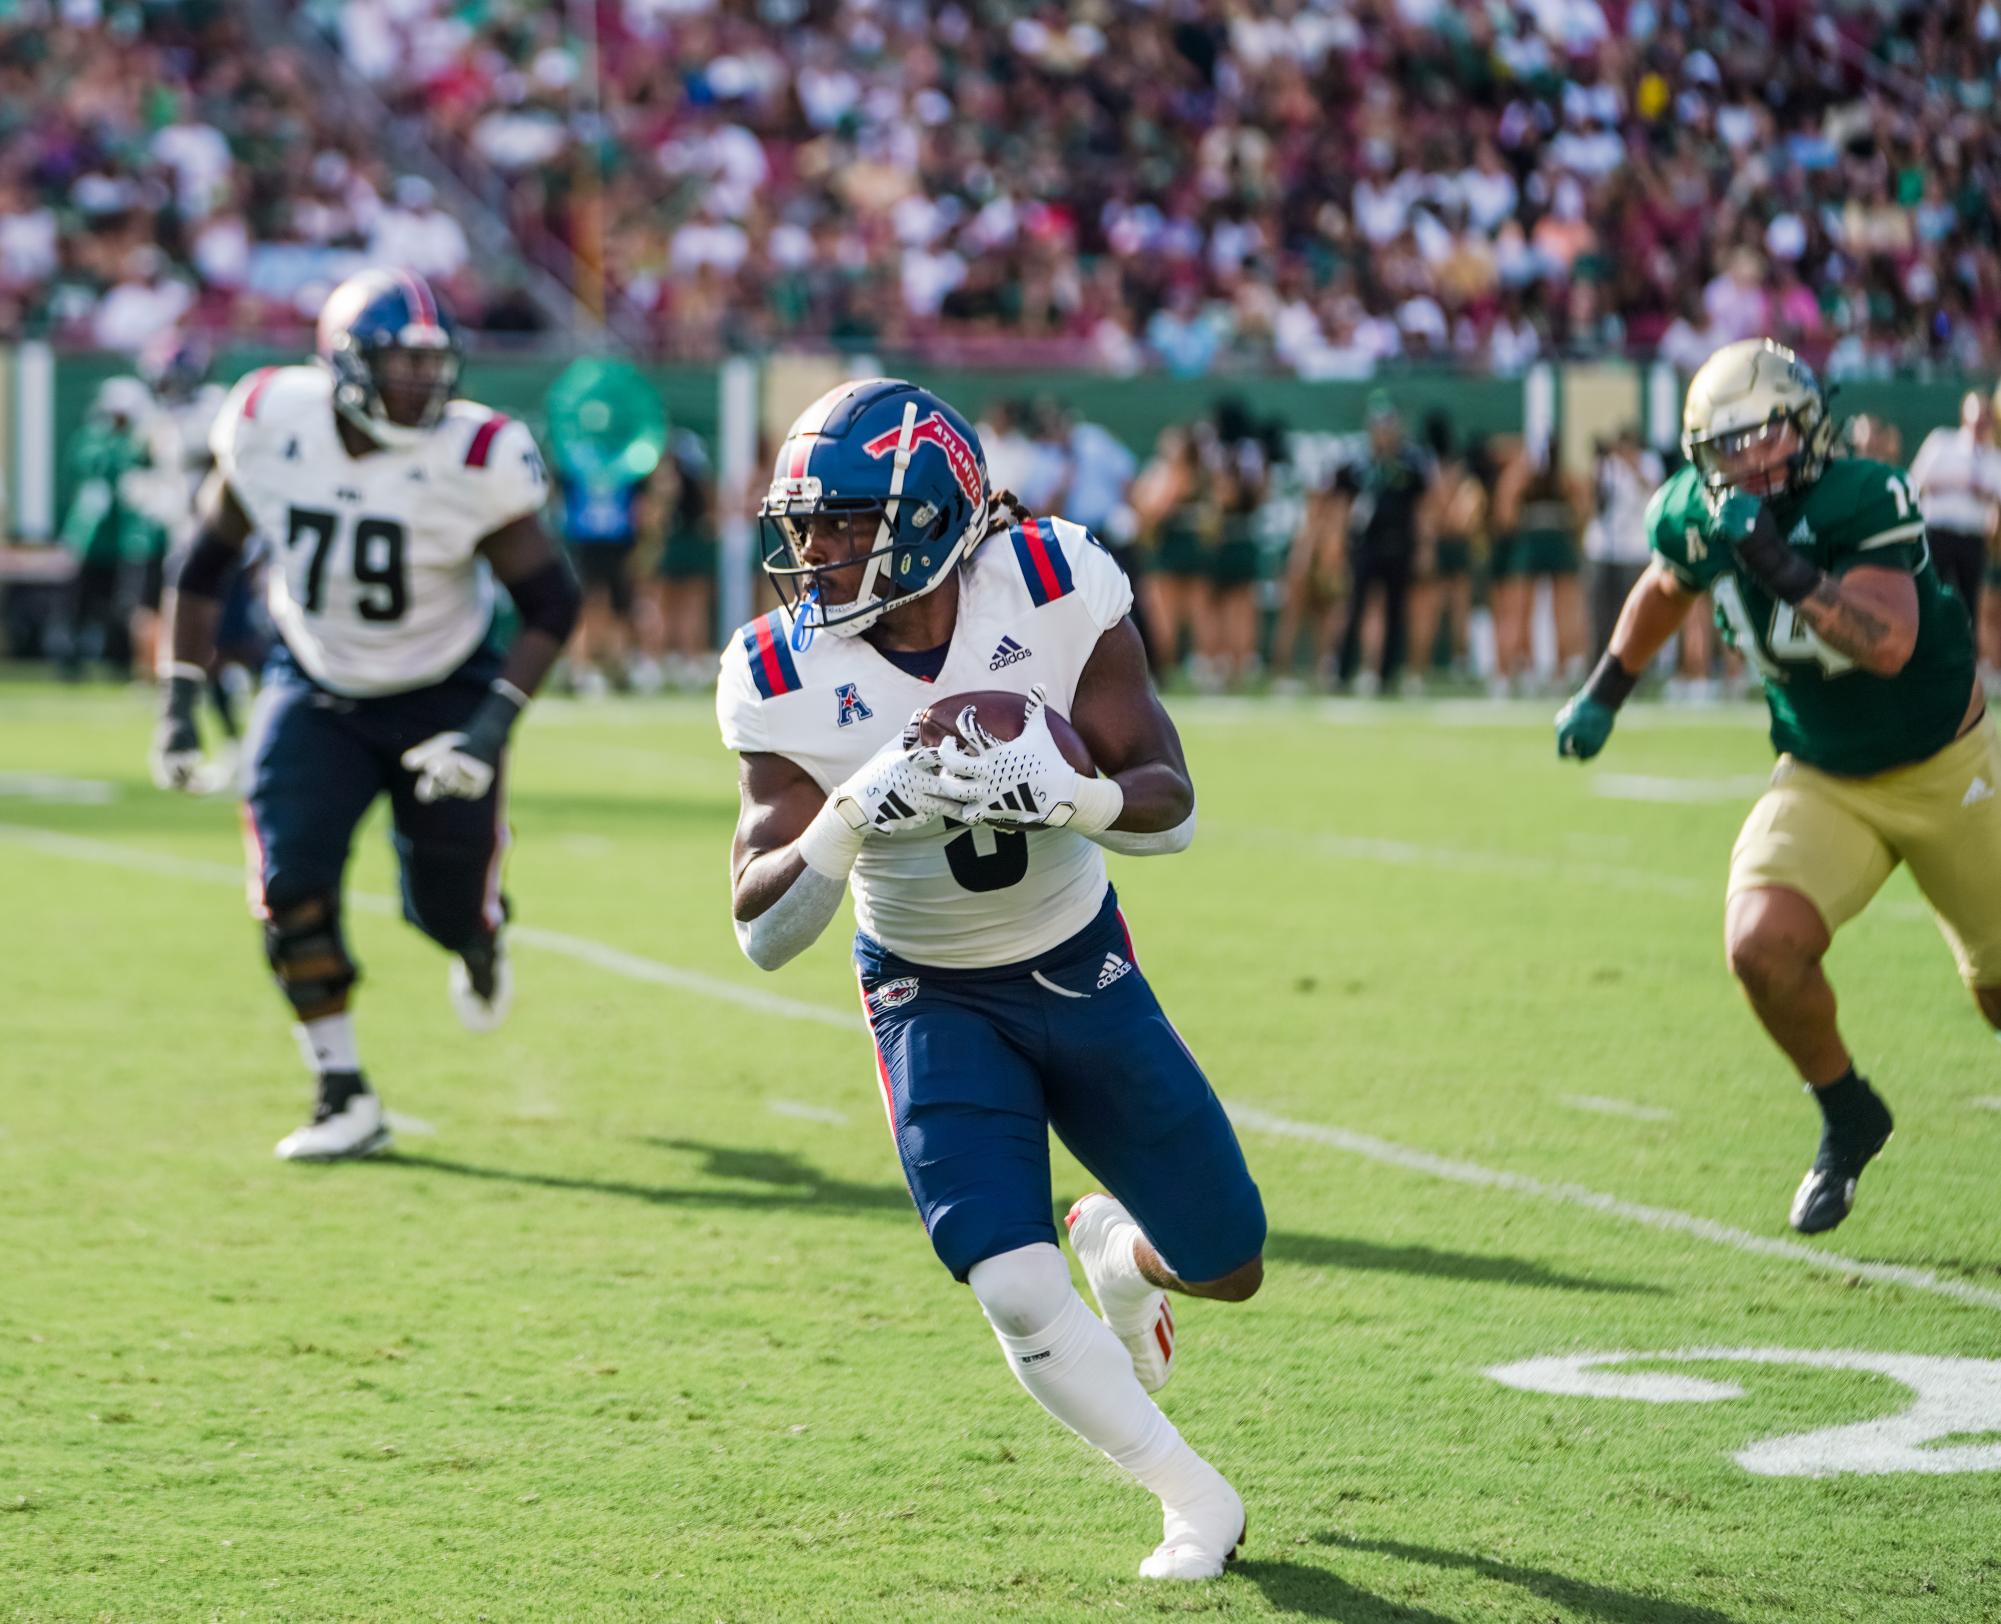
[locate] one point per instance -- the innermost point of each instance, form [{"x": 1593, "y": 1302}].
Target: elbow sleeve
[{"x": 548, "y": 601}]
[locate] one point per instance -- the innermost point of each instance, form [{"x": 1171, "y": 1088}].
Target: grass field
[{"x": 640, "y": 1326}]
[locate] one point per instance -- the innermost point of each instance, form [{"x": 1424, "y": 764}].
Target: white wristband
[
  {"x": 169, "y": 668},
  {"x": 829, "y": 844},
  {"x": 1098, "y": 802}
]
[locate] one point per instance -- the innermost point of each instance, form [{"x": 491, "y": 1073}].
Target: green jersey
[{"x": 1827, "y": 710}]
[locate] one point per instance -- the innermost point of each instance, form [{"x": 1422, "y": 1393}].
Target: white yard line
[
  {"x": 1411, "y": 1160},
  {"x": 416, "y": 1126},
  {"x": 56, "y": 788},
  {"x": 599, "y": 955},
  {"x": 807, "y": 1113},
  {"x": 1986, "y": 1102},
  {"x": 1387, "y": 1152},
  {"x": 1602, "y": 1106},
  {"x": 1678, "y": 791}
]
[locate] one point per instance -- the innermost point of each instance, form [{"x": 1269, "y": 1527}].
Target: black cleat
[{"x": 1827, "y": 1194}]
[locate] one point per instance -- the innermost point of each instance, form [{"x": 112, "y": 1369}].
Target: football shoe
[
  {"x": 1199, "y": 1535},
  {"x": 1827, "y": 1194},
  {"x": 356, "y": 1129},
  {"x": 481, "y": 984}
]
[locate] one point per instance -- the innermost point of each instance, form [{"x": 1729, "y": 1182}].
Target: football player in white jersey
[
  {"x": 995, "y": 968},
  {"x": 389, "y": 508}
]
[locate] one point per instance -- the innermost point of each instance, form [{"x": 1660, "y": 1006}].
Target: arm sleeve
[
  {"x": 1102, "y": 586},
  {"x": 739, "y": 708}
]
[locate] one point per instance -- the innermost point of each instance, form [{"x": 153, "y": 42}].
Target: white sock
[
  {"x": 1126, "y": 1288},
  {"x": 327, "y": 1044},
  {"x": 1076, "y": 1369}
]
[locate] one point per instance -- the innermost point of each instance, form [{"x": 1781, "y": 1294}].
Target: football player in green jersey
[{"x": 1821, "y": 577}]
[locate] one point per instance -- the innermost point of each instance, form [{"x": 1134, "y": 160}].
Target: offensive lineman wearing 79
[{"x": 390, "y": 508}]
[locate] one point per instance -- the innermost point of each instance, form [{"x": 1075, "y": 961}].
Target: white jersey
[
  {"x": 376, "y": 582},
  {"x": 1033, "y": 603},
  {"x": 177, "y": 442},
  {"x": 1958, "y": 481}
]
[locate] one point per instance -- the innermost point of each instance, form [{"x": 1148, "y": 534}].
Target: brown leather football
[{"x": 1000, "y": 713}]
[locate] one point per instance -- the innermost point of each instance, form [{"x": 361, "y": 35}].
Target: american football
[
  {"x": 1000, "y": 712},
  {"x": 491, "y": 495}
]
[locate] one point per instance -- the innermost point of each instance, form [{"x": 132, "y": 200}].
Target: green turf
[{"x": 624, "y": 1340}]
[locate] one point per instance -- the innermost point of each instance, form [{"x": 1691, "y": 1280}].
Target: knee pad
[
  {"x": 1023, "y": 1291},
  {"x": 308, "y": 955}
]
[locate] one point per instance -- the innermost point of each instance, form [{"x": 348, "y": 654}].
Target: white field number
[{"x": 1953, "y": 1398}]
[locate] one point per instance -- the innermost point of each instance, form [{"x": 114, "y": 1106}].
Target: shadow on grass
[
  {"x": 789, "y": 1182},
  {"x": 1297, "y": 1591},
  {"x": 1486, "y": 1268},
  {"x": 1579, "y": 1597}
]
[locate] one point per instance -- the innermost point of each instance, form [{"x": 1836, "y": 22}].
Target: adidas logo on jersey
[
  {"x": 1113, "y": 968},
  {"x": 1976, "y": 792},
  {"x": 1008, "y": 653}
]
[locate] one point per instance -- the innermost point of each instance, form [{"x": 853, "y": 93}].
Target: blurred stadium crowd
[{"x": 1326, "y": 186}]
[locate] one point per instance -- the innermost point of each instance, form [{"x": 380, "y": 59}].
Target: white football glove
[
  {"x": 1019, "y": 783},
  {"x": 445, "y": 768},
  {"x": 897, "y": 791}
]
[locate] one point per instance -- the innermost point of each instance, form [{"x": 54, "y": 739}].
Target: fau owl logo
[
  {"x": 934, "y": 430},
  {"x": 852, "y": 708}
]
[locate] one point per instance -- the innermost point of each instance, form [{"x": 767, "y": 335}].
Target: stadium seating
[{"x": 1321, "y": 185}]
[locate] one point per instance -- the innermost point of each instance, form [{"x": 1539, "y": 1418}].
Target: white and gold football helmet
[{"x": 1746, "y": 394}]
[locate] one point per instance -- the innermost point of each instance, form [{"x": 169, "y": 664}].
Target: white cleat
[
  {"x": 1199, "y": 1536},
  {"x": 1102, "y": 1233},
  {"x": 357, "y": 1129},
  {"x": 478, "y": 1013}
]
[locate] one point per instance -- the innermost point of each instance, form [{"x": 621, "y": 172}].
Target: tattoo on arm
[{"x": 1845, "y": 625}]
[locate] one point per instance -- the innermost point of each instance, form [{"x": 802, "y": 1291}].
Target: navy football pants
[
  {"x": 317, "y": 763},
  {"x": 977, "y": 1066}
]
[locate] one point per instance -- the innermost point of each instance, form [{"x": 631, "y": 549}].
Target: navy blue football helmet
[
  {"x": 891, "y": 460},
  {"x": 394, "y": 353},
  {"x": 175, "y": 365}
]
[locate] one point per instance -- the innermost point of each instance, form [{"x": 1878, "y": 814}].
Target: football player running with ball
[
  {"x": 995, "y": 968},
  {"x": 1822, "y": 578},
  {"x": 389, "y": 508}
]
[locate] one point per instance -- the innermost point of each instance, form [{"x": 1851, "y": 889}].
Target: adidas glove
[
  {"x": 895, "y": 792},
  {"x": 1024, "y": 782}
]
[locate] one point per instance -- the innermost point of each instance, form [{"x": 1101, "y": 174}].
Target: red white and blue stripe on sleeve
[
  {"x": 1043, "y": 565},
  {"x": 770, "y": 654}
]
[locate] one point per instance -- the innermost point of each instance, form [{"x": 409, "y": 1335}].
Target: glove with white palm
[
  {"x": 1024, "y": 782},
  {"x": 462, "y": 764},
  {"x": 897, "y": 791}
]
